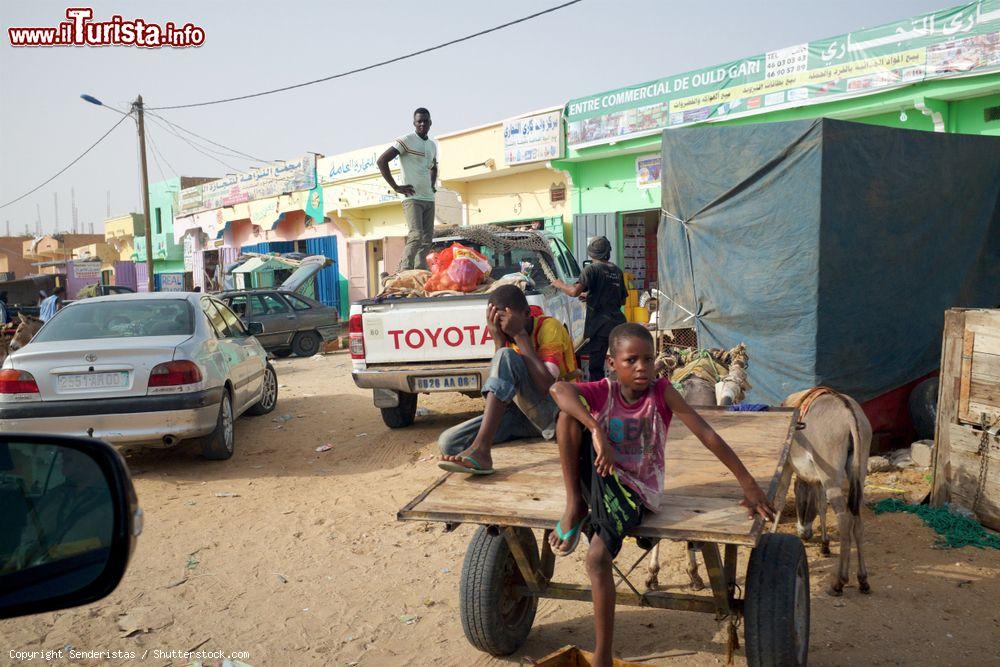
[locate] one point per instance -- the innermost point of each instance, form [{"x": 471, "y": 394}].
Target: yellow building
[
  {"x": 50, "y": 253},
  {"x": 501, "y": 171},
  {"x": 120, "y": 233},
  {"x": 103, "y": 252}
]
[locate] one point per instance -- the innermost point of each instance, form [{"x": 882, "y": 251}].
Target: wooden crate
[{"x": 967, "y": 435}]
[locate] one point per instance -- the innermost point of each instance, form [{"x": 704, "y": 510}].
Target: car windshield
[{"x": 119, "y": 319}]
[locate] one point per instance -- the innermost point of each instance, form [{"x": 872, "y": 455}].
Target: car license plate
[
  {"x": 447, "y": 383},
  {"x": 83, "y": 381}
]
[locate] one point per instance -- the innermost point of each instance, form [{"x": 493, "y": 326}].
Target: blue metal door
[{"x": 327, "y": 280}]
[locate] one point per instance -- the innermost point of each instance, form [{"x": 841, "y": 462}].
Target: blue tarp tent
[{"x": 831, "y": 248}]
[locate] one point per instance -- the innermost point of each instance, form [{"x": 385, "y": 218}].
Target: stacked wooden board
[{"x": 967, "y": 457}]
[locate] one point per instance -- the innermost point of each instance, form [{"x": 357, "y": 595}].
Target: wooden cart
[{"x": 505, "y": 572}]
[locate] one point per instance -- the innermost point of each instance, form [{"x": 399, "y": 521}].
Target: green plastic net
[{"x": 956, "y": 531}]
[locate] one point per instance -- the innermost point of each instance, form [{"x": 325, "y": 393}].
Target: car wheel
[
  {"x": 306, "y": 343},
  {"x": 268, "y": 394},
  {"x": 281, "y": 354},
  {"x": 218, "y": 445}
]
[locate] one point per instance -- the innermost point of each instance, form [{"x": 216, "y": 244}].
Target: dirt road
[{"x": 295, "y": 557}]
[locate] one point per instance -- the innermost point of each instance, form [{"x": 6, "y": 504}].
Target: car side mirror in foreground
[
  {"x": 255, "y": 328},
  {"x": 69, "y": 523}
]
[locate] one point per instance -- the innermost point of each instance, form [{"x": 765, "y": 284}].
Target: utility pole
[{"x": 145, "y": 193}]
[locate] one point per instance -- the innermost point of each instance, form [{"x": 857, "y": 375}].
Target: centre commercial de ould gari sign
[{"x": 960, "y": 41}]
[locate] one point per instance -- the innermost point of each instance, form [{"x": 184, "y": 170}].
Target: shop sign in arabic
[
  {"x": 270, "y": 181},
  {"x": 956, "y": 41},
  {"x": 533, "y": 138},
  {"x": 355, "y": 164}
]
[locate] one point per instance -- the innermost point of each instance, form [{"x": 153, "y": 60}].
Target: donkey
[
  {"x": 26, "y": 329},
  {"x": 699, "y": 392},
  {"x": 829, "y": 455}
]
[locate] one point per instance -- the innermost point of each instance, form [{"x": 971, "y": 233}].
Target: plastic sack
[{"x": 457, "y": 268}]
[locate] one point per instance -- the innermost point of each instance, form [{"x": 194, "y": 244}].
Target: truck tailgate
[{"x": 433, "y": 329}]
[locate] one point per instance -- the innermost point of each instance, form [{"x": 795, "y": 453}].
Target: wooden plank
[
  {"x": 964, "y": 472},
  {"x": 983, "y": 319},
  {"x": 984, "y": 392},
  {"x": 951, "y": 363},
  {"x": 977, "y": 412},
  {"x": 965, "y": 375},
  {"x": 966, "y": 439},
  {"x": 985, "y": 366},
  {"x": 987, "y": 340},
  {"x": 700, "y": 500}
]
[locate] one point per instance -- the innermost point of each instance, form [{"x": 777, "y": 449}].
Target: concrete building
[
  {"x": 12, "y": 261},
  {"x": 49, "y": 254}
]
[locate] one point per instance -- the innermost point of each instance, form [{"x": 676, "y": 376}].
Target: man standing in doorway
[
  {"x": 417, "y": 155},
  {"x": 604, "y": 284}
]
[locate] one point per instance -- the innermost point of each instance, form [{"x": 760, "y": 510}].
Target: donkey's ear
[{"x": 24, "y": 320}]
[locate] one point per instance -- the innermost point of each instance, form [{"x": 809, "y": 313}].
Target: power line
[
  {"x": 215, "y": 143},
  {"x": 58, "y": 173},
  {"x": 375, "y": 65},
  {"x": 192, "y": 145},
  {"x": 157, "y": 152}
]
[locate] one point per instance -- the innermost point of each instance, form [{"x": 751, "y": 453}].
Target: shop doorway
[{"x": 367, "y": 260}]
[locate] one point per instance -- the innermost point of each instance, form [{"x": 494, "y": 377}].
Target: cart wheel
[
  {"x": 777, "y": 602},
  {"x": 496, "y": 618}
]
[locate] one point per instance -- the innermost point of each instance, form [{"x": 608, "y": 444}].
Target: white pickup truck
[{"x": 404, "y": 347}]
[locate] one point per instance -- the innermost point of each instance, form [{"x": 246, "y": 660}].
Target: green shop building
[
  {"x": 937, "y": 72},
  {"x": 169, "y": 266}
]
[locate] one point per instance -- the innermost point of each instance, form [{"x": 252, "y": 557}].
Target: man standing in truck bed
[
  {"x": 604, "y": 284},
  {"x": 417, "y": 155}
]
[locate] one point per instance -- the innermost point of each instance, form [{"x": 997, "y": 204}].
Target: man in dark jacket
[{"x": 606, "y": 291}]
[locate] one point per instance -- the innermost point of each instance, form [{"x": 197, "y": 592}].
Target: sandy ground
[{"x": 305, "y": 563}]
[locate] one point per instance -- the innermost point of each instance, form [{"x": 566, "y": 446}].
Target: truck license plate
[
  {"x": 83, "y": 381},
  {"x": 447, "y": 383}
]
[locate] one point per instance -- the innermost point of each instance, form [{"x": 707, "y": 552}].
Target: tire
[
  {"x": 403, "y": 414},
  {"x": 495, "y": 618},
  {"x": 306, "y": 343},
  {"x": 923, "y": 408},
  {"x": 281, "y": 354},
  {"x": 219, "y": 444},
  {"x": 777, "y": 602},
  {"x": 269, "y": 394}
]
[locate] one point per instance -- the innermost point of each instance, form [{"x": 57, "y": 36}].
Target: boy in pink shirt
[{"x": 612, "y": 456}]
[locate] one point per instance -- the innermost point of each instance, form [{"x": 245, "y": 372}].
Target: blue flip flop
[
  {"x": 475, "y": 469},
  {"x": 572, "y": 534}
]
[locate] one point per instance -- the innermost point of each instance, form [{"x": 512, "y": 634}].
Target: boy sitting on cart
[
  {"x": 531, "y": 353},
  {"x": 612, "y": 456}
]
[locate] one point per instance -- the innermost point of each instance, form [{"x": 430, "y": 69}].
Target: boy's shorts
[{"x": 614, "y": 507}]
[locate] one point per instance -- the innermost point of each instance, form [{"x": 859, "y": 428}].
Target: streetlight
[{"x": 137, "y": 106}]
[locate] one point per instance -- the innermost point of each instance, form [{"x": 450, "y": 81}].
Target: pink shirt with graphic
[{"x": 637, "y": 431}]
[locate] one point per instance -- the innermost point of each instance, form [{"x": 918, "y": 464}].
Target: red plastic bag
[{"x": 457, "y": 268}]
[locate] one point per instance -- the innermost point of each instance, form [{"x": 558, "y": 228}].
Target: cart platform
[{"x": 701, "y": 497}]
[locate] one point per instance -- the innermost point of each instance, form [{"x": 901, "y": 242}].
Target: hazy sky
[{"x": 255, "y": 45}]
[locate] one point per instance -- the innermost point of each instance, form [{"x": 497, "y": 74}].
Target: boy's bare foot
[
  {"x": 466, "y": 457},
  {"x": 574, "y": 513}
]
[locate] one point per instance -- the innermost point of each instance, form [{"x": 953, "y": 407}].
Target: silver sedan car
[{"x": 142, "y": 369}]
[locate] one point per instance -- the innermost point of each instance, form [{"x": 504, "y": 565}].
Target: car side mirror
[
  {"x": 69, "y": 524},
  {"x": 255, "y": 328}
]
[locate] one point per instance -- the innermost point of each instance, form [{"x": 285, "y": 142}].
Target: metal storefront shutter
[
  {"x": 327, "y": 280},
  {"x": 588, "y": 225}
]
